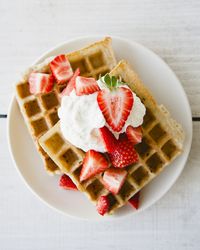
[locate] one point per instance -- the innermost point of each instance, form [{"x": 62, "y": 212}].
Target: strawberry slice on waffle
[
  {"x": 115, "y": 103},
  {"x": 134, "y": 134},
  {"x": 93, "y": 164},
  {"x": 71, "y": 84},
  {"x": 113, "y": 179},
  {"x": 124, "y": 153},
  {"x": 108, "y": 139},
  {"x": 40, "y": 83},
  {"x": 86, "y": 86},
  {"x": 61, "y": 69}
]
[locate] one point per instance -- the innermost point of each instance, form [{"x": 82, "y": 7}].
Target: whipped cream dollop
[{"x": 81, "y": 118}]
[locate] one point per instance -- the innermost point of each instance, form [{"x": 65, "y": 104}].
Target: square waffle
[
  {"x": 40, "y": 111},
  {"x": 162, "y": 142}
]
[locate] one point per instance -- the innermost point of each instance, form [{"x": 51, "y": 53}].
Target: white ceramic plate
[{"x": 167, "y": 90}]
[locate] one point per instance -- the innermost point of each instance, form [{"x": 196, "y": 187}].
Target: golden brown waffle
[
  {"x": 40, "y": 111},
  {"x": 162, "y": 143}
]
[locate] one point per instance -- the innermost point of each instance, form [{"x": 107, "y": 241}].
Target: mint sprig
[{"x": 111, "y": 82}]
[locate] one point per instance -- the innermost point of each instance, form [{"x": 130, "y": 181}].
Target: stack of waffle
[
  {"x": 40, "y": 111},
  {"x": 162, "y": 143}
]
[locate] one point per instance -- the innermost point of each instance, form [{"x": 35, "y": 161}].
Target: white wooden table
[{"x": 172, "y": 30}]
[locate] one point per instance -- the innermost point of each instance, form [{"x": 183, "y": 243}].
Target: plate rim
[{"x": 107, "y": 218}]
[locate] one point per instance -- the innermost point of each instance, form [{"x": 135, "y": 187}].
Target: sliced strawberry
[
  {"x": 71, "y": 84},
  {"x": 61, "y": 68},
  {"x": 134, "y": 134},
  {"x": 86, "y": 86},
  {"x": 40, "y": 83},
  {"x": 108, "y": 139},
  {"x": 67, "y": 183},
  {"x": 103, "y": 205},
  {"x": 134, "y": 201},
  {"x": 93, "y": 163},
  {"x": 113, "y": 179},
  {"x": 124, "y": 153},
  {"x": 116, "y": 106}
]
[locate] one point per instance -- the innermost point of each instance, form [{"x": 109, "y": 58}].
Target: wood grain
[{"x": 170, "y": 28}]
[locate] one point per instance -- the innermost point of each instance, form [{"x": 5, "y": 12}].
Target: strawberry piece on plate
[
  {"x": 93, "y": 163},
  {"x": 67, "y": 183},
  {"x": 113, "y": 179},
  {"x": 134, "y": 201},
  {"x": 86, "y": 86},
  {"x": 71, "y": 84},
  {"x": 134, "y": 134},
  {"x": 103, "y": 205},
  {"x": 40, "y": 83},
  {"x": 116, "y": 106},
  {"x": 124, "y": 153},
  {"x": 61, "y": 69},
  {"x": 108, "y": 139}
]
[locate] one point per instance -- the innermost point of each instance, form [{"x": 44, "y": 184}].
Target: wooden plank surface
[{"x": 169, "y": 28}]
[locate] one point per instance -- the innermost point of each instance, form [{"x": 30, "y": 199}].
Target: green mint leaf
[
  {"x": 114, "y": 81},
  {"x": 111, "y": 81},
  {"x": 107, "y": 80}
]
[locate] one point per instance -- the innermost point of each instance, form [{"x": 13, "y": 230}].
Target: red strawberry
[
  {"x": 86, "y": 86},
  {"x": 93, "y": 163},
  {"x": 115, "y": 106},
  {"x": 124, "y": 153},
  {"x": 113, "y": 179},
  {"x": 61, "y": 68},
  {"x": 103, "y": 205},
  {"x": 40, "y": 83},
  {"x": 67, "y": 183},
  {"x": 71, "y": 84},
  {"x": 108, "y": 139},
  {"x": 134, "y": 134},
  {"x": 134, "y": 201}
]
